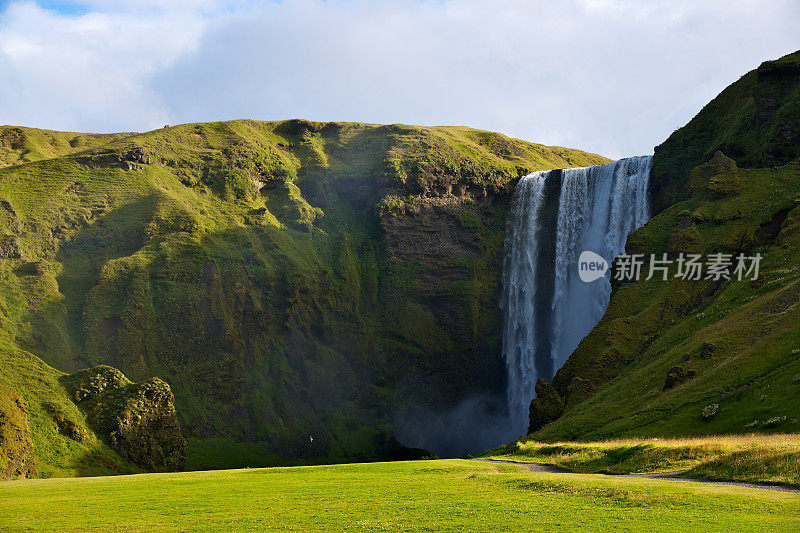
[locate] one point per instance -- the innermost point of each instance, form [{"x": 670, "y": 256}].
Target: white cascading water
[{"x": 548, "y": 309}]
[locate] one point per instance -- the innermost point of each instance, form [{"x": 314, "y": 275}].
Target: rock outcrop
[
  {"x": 546, "y": 407},
  {"x": 138, "y": 419},
  {"x": 677, "y": 375}
]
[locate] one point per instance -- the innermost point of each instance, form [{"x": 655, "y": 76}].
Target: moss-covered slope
[
  {"x": 698, "y": 357},
  {"x": 23, "y": 145},
  {"x": 16, "y": 446},
  {"x": 755, "y": 121},
  {"x": 296, "y": 283}
]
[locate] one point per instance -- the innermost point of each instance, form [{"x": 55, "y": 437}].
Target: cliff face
[
  {"x": 451, "y": 244},
  {"x": 296, "y": 283},
  {"x": 728, "y": 182}
]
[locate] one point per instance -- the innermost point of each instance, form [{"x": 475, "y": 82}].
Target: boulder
[
  {"x": 677, "y": 375},
  {"x": 710, "y": 411},
  {"x": 135, "y": 156},
  {"x": 707, "y": 350},
  {"x": 546, "y": 407}
]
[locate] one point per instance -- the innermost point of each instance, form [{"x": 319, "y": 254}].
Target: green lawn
[{"x": 419, "y": 496}]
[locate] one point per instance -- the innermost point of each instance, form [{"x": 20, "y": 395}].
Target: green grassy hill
[
  {"x": 755, "y": 121},
  {"x": 23, "y": 145},
  {"x": 703, "y": 357},
  {"x": 296, "y": 283}
]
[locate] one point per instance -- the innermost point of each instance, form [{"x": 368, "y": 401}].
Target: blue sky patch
[{"x": 64, "y": 7}]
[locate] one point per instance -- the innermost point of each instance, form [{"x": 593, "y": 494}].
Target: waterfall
[{"x": 555, "y": 215}]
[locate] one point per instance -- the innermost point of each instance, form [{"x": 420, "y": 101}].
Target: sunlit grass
[
  {"x": 450, "y": 495},
  {"x": 752, "y": 458}
]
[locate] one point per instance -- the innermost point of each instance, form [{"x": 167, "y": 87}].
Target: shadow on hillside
[{"x": 58, "y": 332}]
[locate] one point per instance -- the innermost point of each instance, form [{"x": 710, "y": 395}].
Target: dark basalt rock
[
  {"x": 132, "y": 159},
  {"x": 16, "y": 447},
  {"x": 134, "y": 156},
  {"x": 138, "y": 419},
  {"x": 546, "y": 407},
  {"x": 677, "y": 375},
  {"x": 707, "y": 350}
]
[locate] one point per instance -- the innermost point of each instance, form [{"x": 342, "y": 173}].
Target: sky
[{"x": 614, "y": 77}]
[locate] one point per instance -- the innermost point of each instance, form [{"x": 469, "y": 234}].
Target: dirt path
[{"x": 671, "y": 476}]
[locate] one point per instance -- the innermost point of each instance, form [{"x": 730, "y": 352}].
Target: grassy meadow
[
  {"x": 747, "y": 458},
  {"x": 413, "y": 496}
]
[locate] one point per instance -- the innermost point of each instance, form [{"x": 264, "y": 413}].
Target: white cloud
[
  {"x": 612, "y": 76},
  {"x": 90, "y": 72}
]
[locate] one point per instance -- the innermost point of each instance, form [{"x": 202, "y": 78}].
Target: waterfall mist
[{"x": 475, "y": 424}]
